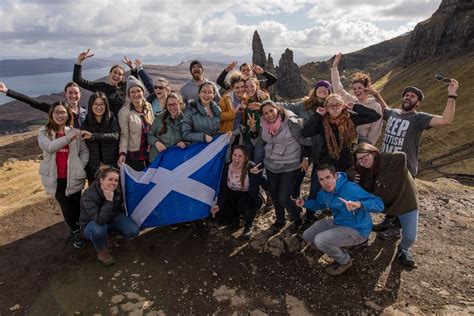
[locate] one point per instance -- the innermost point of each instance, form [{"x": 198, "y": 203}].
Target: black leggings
[
  {"x": 238, "y": 203},
  {"x": 70, "y": 205}
]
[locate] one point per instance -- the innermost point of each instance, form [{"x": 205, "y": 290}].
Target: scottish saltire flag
[{"x": 179, "y": 186}]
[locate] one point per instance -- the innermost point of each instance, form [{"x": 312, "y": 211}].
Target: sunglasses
[{"x": 159, "y": 87}]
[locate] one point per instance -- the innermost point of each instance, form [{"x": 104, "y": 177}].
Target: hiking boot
[
  {"x": 405, "y": 257},
  {"x": 336, "y": 268},
  {"x": 105, "y": 257},
  {"x": 247, "y": 233},
  {"x": 384, "y": 225},
  {"x": 77, "y": 239},
  {"x": 276, "y": 227},
  {"x": 390, "y": 234}
]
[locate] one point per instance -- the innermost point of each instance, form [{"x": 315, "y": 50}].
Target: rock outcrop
[
  {"x": 270, "y": 67},
  {"x": 258, "y": 53},
  {"x": 449, "y": 30},
  {"x": 290, "y": 85}
]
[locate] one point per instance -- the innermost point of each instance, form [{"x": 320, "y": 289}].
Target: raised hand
[
  {"x": 337, "y": 60},
  {"x": 127, "y": 62},
  {"x": 254, "y": 106},
  {"x": 256, "y": 170},
  {"x": 350, "y": 205},
  {"x": 138, "y": 63},
  {"x": 252, "y": 122},
  {"x": 257, "y": 69},
  {"x": 230, "y": 66},
  {"x": 349, "y": 105},
  {"x": 453, "y": 87},
  {"x": 83, "y": 56},
  {"x": 3, "y": 87}
]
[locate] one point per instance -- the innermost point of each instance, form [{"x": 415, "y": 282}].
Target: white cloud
[{"x": 38, "y": 28}]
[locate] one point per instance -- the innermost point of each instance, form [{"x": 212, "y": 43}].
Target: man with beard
[
  {"x": 189, "y": 91},
  {"x": 403, "y": 133}
]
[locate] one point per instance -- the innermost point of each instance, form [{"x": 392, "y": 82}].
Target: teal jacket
[
  {"x": 358, "y": 219},
  {"x": 172, "y": 136}
]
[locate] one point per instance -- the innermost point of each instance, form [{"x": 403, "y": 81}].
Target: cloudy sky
[{"x": 62, "y": 28}]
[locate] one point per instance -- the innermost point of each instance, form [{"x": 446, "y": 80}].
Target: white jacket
[{"x": 77, "y": 159}]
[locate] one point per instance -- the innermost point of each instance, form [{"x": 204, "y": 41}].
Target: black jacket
[
  {"x": 115, "y": 94},
  {"x": 94, "y": 206},
  {"x": 104, "y": 145},
  {"x": 254, "y": 186},
  {"x": 359, "y": 116}
]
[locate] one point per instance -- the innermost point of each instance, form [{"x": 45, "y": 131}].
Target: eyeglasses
[
  {"x": 333, "y": 106},
  {"x": 60, "y": 113},
  {"x": 159, "y": 87},
  {"x": 363, "y": 158},
  {"x": 99, "y": 105}
]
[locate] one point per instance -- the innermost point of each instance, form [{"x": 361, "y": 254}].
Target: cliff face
[
  {"x": 449, "y": 30},
  {"x": 290, "y": 85}
]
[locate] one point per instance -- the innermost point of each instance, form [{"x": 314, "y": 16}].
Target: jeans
[
  {"x": 280, "y": 186},
  {"x": 256, "y": 153},
  {"x": 70, "y": 205},
  {"x": 409, "y": 223},
  {"x": 119, "y": 222},
  {"x": 329, "y": 238}
]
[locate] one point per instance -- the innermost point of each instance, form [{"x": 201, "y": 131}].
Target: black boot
[{"x": 248, "y": 230}]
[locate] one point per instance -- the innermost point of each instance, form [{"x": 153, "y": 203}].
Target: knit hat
[
  {"x": 323, "y": 83},
  {"x": 415, "y": 90},
  {"x": 195, "y": 62},
  {"x": 134, "y": 82}
]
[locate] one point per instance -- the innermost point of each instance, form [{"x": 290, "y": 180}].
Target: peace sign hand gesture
[
  {"x": 128, "y": 62},
  {"x": 256, "y": 170},
  {"x": 252, "y": 122},
  {"x": 230, "y": 66},
  {"x": 83, "y": 56},
  {"x": 257, "y": 69}
]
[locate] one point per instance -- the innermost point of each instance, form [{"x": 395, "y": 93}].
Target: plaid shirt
[{"x": 142, "y": 153}]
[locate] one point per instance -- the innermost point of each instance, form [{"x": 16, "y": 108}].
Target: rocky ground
[{"x": 168, "y": 272}]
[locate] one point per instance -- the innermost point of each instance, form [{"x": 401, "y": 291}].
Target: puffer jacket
[
  {"x": 103, "y": 147},
  {"x": 172, "y": 136},
  {"x": 95, "y": 207},
  {"x": 196, "y": 122},
  {"x": 77, "y": 160}
]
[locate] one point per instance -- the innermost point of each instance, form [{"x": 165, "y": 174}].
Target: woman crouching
[
  {"x": 239, "y": 192},
  {"x": 102, "y": 210}
]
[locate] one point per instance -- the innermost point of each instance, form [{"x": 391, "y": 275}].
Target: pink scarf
[{"x": 272, "y": 128}]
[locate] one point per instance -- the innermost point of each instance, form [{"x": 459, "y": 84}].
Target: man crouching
[{"x": 350, "y": 224}]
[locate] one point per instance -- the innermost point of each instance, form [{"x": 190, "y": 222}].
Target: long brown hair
[
  {"x": 51, "y": 126},
  {"x": 312, "y": 101},
  {"x": 245, "y": 168},
  {"x": 280, "y": 110}
]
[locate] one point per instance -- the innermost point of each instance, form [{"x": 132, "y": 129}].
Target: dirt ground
[{"x": 165, "y": 272}]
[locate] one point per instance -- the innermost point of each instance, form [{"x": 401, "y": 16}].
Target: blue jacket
[{"x": 358, "y": 219}]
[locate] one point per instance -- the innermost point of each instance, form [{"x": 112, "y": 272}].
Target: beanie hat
[
  {"x": 323, "y": 83},
  {"x": 415, "y": 90},
  {"x": 134, "y": 82},
  {"x": 195, "y": 62}
]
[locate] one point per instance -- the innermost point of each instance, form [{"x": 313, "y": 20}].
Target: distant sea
[{"x": 46, "y": 84}]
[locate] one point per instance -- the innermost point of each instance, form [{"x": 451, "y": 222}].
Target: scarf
[
  {"x": 347, "y": 133},
  {"x": 272, "y": 128}
]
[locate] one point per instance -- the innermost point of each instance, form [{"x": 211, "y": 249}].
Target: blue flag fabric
[{"x": 179, "y": 186}]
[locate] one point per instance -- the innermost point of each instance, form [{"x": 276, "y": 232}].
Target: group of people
[{"x": 273, "y": 144}]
